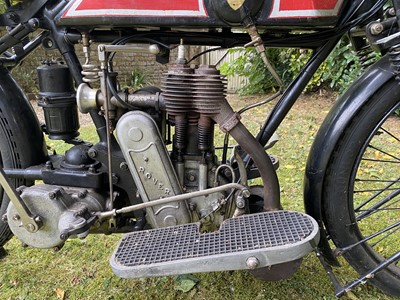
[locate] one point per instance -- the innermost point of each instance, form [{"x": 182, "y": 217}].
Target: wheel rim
[{"x": 375, "y": 189}]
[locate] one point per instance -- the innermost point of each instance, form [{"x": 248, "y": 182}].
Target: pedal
[{"x": 247, "y": 242}]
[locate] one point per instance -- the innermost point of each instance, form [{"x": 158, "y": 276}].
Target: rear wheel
[{"x": 362, "y": 190}]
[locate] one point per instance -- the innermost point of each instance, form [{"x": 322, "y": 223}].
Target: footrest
[{"x": 246, "y": 242}]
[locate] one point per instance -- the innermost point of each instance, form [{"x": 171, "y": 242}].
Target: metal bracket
[{"x": 30, "y": 222}]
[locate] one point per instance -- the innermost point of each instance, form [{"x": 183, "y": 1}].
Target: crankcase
[{"x": 63, "y": 211}]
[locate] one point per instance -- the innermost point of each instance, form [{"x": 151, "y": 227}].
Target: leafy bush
[
  {"x": 250, "y": 65},
  {"x": 338, "y": 71}
]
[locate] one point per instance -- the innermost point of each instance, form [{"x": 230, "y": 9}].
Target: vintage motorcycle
[{"x": 186, "y": 209}]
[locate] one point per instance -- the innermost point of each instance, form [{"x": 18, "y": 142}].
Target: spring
[
  {"x": 180, "y": 132},
  {"x": 366, "y": 56},
  {"x": 90, "y": 73},
  {"x": 394, "y": 56},
  {"x": 205, "y": 133}
]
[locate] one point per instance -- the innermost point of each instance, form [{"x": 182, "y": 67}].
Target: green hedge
[{"x": 340, "y": 69}]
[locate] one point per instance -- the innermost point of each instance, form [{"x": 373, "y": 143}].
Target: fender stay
[{"x": 328, "y": 136}]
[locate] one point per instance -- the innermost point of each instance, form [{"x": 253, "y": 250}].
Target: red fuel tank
[{"x": 203, "y": 13}]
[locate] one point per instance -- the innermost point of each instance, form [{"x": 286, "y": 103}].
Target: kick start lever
[{"x": 28, "y": 220}]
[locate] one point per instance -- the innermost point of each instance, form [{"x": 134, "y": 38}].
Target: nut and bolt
[
  {"x": 376, "y": 28},
  {"x": 240, "y": 203},
  {"x": 124, "y": 166},
  {"x": 391, "y": 12},
  {"x": 92, "y": 153},
  {"x": 252, "y": 262},
  {"x": 228, "y": 173},
  {"x": 82, "y": 194},
  {"x": 49, "y": 165},
  {"x": 30, "y": 227},
  {"x": 16, "y": 218},
  {"x": 115, "y": 179},
  {"x": 246, "y": 193},
  {"x": 191, "y": 177},
  {"x": 54, "y": 194}
]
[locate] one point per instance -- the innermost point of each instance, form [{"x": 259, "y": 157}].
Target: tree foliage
[{"x": 338, "y": 71}]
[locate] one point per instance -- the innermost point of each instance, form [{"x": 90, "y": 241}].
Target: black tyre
[
  {"x": 21, "y": 139},
  {"x": 8, "y": 158},
  {"x": 362, "y": 189}
]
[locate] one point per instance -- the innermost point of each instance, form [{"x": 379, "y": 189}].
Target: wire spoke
[
  {"x": 375, "y": 180},
  {"x": 381, "y": 160},
  {"x": 384, "y": 152},
  {"x": 389, "y": 233},
  {"x": 378, "y": 206},
  {"x": 376, "y": 195},
  {"x": 393, "y": 227},
  {"x": 375, "y": 190},
  {"x": 389, "y": 133}
]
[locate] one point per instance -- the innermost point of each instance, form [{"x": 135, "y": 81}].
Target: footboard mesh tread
[{"x": 249, "y": 232}]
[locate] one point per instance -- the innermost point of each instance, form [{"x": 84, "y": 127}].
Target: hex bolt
[
  {"x": 376, "y": 29},
  {"x": 392, "y": 12},
  {"x": 228, "y": 173},
  {"x": 30, "y": 227},
  {"x": 246, "y": 193},
  {"x": 82, "y": 194},
  {"x": 55, "y": 193},
  {"x": 49, "y": 165},
  {"x": 4, "y": 218},
  {"x": 92, "y": 153},
  {"x": 124, "y": 166},
  {"x": 191, "y": 177},
  {"x": 240, "y": 203},
  {"x": 252, "y": 262},
  {"x": 16, "y": 218}
]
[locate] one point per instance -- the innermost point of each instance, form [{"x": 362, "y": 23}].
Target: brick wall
[{"x": 124, "y": 63}]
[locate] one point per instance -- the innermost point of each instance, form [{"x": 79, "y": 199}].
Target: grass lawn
[{"x": 80, "y": 269}]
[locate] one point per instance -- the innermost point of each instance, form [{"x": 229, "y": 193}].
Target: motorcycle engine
[{"x": 191, "y": 97}]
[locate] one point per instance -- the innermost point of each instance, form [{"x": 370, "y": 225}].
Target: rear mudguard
[
  {"x": 20, "y": 124},
  {"x": 328, "y": 136}
]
